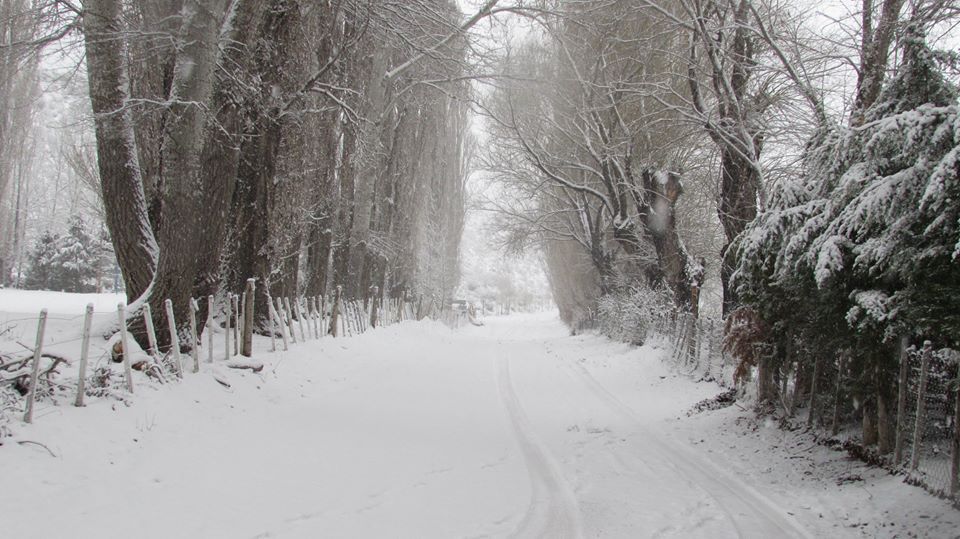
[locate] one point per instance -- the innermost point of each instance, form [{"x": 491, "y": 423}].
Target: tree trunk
[
  {"x": 657, "y": 207},
  {"x": 766, "y": 386},
  {"x": 869, "y": 421},
  {"x": 885, "y": 425},
  {"x": 124, "y": 200},
  {"x": 249, "y": 256},
  {"x": 184, "y": 185},
  {"x": 736, "y": 133},
  {"x": 365, "y": 188},
  {"x": 220, "y": 157},
  {"x": 739, "y": 183},
  {"x": 255, "y": 222}
]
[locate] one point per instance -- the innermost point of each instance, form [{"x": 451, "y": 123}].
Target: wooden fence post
[
  {"x": 281, "y": 321},
  {"x": 322, "y": 306},
  {"x": 210, "y": 329},
  {"x": 248, "y": 306},
  {"x": 275, "y": 315},
  {"x": 228, "y": 318},
  {"x": 370, "y": 315},
  {"x": 375, "y": 307},
  {"x": 124, "y": 349},
  {"x": 921, "y": 405},
  {"x": 955, "y": 457},
  {"x": 334, "y": 311},
  {"x": 285, "y": 306},
  {"x": 35, "y": 367},
  {"x": 318, "y": 310},
  {"x": 304, "y": 306},
  {"x": 303, "y": 334},
  {"x": 364, "y": 316},
  {"x": 813, "y": 391},
  {"x": 241, "y": 319},
  {"x": 174, "y": 339},
  {"x": 195, "y": 341},
  {"x": 272, "y": 324},
  {"x": 151, "y": 332},
  {"x": 236, "y": 324},
  {"x": 357, "y": 317},
  {"x": 679, "y": 330},
  {"x": 361, "y": 316},
  {"x": 84, "y": 355},
  {"x": 308, "y": 316},
  {"x": 902, "y": 391}
]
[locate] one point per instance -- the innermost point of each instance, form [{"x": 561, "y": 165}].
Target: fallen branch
[
  {"x": 19, "y": 380},
  {"x": 24, "y": 442}
]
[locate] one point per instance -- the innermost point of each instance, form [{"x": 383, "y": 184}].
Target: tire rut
[
  {"x": 553, "y": 510},
  {"x": 735, "y": 498}
]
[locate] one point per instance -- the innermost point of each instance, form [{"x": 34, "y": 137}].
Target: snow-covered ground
[
  {"x": 31, "y": 301},
  {"x": 511, "y": 429}
]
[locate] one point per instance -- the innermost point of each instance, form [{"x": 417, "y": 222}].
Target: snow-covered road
[{"x": 512, "y": 429}]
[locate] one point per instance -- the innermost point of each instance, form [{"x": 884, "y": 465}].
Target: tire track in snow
[
  {"x": 750, "y": 513},
  {"x": 553, "y": 510}
]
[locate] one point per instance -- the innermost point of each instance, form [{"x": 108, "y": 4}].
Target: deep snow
[{"x": 511, "y": 429}]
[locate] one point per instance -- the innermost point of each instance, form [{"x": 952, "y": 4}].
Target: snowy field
[{"x": 511, "y": 429}]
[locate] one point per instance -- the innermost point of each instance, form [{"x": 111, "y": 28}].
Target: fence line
[
  {"x": 925, "y": 444},
  {"x": 25, "y": 379}
]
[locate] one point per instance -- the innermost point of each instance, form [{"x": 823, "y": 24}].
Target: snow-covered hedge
[{"x": 631, "y": 314}]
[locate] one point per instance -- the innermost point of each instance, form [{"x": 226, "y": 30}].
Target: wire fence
[
  {"x": 45, "y": 362},
  {"x": 929, "y": 432},
  {"x": 694, "y": 344}
]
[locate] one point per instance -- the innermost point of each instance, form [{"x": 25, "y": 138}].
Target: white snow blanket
[{"x": 514, "y": 429}]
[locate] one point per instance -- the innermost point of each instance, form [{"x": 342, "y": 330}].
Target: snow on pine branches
[{"x": 872, "y": 226}]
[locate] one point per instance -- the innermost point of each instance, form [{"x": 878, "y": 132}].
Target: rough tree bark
[
  {"x": 735, "y": 134},
  {"x": 254, "y": 206},
  {"x": 124, "y": 200},
  {"x": 185, "y": 132},
  {"x": 656, "y": 202}
]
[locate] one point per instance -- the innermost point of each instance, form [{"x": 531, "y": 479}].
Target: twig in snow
[{"x": 24, "y": 442}]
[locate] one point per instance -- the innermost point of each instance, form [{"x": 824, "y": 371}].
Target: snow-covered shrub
[
  {"x": 630, "y": 314},
  {"x": 71, "y": 262}
]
